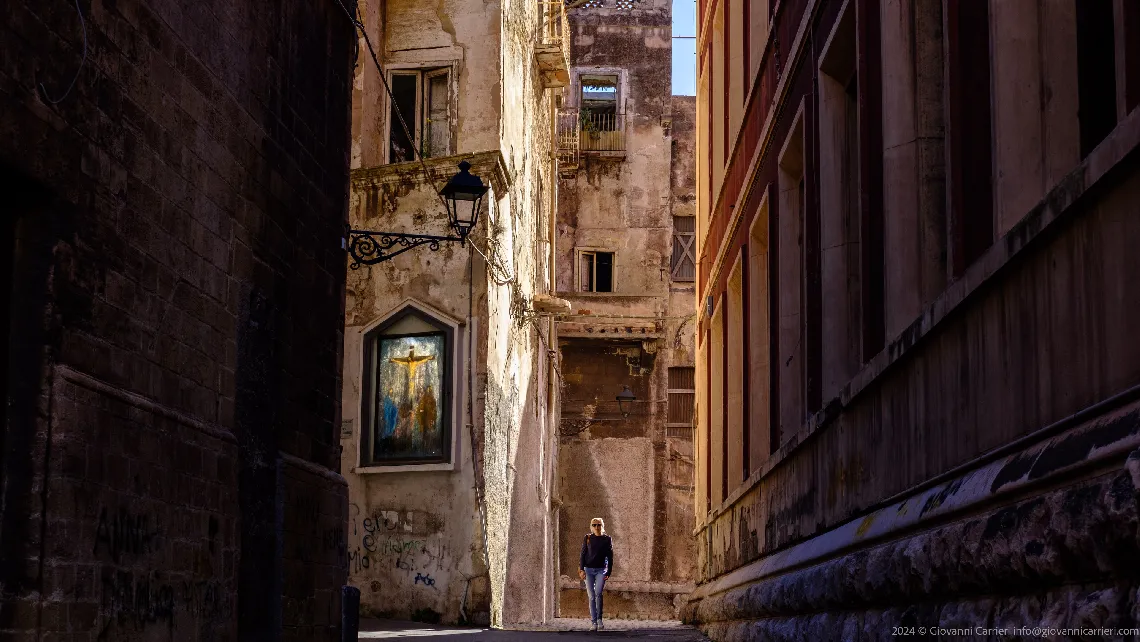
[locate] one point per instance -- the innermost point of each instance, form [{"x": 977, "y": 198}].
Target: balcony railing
[
  {"x": 569, "y": 134},
  {"x": 552, "y": 51},
  {"x": 587, "y": 131},
  {"x": 602, "y": 132}
]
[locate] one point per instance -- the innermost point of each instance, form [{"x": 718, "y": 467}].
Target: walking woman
[{"x": 595, "y": 566}]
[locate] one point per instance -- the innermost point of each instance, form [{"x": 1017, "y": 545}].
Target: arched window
[{"x": 409, "y": 389}]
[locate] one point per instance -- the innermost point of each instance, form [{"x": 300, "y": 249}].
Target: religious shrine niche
[{"x": 409, "y": 389}]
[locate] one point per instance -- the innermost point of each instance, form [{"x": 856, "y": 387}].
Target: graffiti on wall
[
  {"x": 134, "y": 597},
  {"x": 122, "y": 533},
  {"x": 393, "y": 541}
]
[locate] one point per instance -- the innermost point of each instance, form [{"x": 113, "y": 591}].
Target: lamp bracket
[{"x": 368, "y": 247}]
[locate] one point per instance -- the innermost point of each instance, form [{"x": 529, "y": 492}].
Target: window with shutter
[
  {"x": 684, "y": 264},
  {"x": 422, "y": 98},
  {"x": 682, "y": 398}
]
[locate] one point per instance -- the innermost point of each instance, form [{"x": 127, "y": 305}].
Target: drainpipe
[{"x": 551, "y": 375}]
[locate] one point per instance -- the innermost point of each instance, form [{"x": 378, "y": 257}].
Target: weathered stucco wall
[
  {"x": 632, "y": 471},
  {"x": 417, "y": 544},
  {"x": 414, "y": 538},
  {"x": 519, "y": 438}
]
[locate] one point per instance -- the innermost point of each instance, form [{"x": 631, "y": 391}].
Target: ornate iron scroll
[{"x": 369, "y": 248}]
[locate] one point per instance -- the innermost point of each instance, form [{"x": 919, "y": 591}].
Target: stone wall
[
  {"x": 520, "y": 363},
  {"x": 173, "y": 224},
  {"x": 461, "y": 543},
  {"x": 967, "y": 470},
  {"x": 633, "y": 472}
]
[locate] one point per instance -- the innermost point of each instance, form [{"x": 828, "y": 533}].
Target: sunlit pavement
[{"x": 564, "y": 630}]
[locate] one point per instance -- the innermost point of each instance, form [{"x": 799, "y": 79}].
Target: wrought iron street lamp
[
  {"x": 464, "y": 194},
  {"x": 625, "y": 401},
  {"x": 464, "y": 197}
]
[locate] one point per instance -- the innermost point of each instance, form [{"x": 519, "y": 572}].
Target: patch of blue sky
[{"x": 684, "y": 47}]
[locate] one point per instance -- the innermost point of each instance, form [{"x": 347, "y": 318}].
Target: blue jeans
[{"x": 595, "y": 582}]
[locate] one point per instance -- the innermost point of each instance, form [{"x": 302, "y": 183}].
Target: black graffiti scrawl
[
  {"x": 123, "y": 533},
  {"x": 134, "y": 601}
]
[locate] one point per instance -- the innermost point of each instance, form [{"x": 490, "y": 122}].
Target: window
[
  {"x": 600, "y": 93},
  {"x": 684, "y": 255},
  {"x": 682, "y": 395},
  {"x": 595, "y": 271},
  {"x": 1096, "y": 72},
  {"x": 969, "y": 134},
  {"x": 409, "y": 388},
  {"x": 422, "y": 98},
  {"x": 600, "y": 113},
  {"x": 789, "y": 278}
]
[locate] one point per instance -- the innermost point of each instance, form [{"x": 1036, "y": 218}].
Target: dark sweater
[{"x": 597, "y": 552}]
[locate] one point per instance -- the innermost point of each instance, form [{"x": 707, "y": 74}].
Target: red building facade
[{"x": 913, "y": 218}]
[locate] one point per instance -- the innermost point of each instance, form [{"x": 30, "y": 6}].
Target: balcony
[
  {"x": 552, "y": 51},
  {"x": 568, "y": 139},
  {"x": 582, "y": 130}
]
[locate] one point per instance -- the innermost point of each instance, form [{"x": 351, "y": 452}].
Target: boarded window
[
  {"x": 682, "y": 396},
  {"x": 684, "y": 264}
]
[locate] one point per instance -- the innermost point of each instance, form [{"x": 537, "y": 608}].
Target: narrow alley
[{"x": 677, "y": 320}]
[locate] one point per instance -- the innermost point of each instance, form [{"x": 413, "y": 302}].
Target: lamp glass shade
[
  {"x": 625, "y": 401},
  {"x": 464, "y": 195}
]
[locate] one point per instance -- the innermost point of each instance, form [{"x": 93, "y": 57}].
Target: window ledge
[
  {"x": 604, "y": 154},
  {"x": 404, "y": 468},
  {"x": 598, "y": 295}
]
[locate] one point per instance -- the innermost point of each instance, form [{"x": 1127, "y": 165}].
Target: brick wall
[{"x": 174, "y": 225}]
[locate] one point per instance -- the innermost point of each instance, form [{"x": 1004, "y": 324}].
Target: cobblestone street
[{"x": 563, "y": 630}]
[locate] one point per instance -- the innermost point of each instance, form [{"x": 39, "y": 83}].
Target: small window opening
[
  {"x": 600, "y": 102},
  {"x": 422, "y": 98},
  {"x": 596, "y": 271},
  {"x": 1096, "y": 72},
  {"x": 403, "y": 99}
]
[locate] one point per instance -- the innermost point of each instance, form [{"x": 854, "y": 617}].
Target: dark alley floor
[{"x": 563, "y": 630}]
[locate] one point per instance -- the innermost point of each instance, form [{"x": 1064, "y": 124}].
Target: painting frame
[{"x": 372, "y": 380}]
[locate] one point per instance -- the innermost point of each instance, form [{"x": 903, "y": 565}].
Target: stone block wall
[
  {"x": 173, "y": 222},
  {"x": 633, "y": 471}
]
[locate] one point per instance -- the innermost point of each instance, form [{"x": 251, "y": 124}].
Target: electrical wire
[
  {"x": 83, "y": 61},
  {"x": 506, "y": 277}
]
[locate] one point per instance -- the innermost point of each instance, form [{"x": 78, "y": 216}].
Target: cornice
[{"x": 488, "y": 165}]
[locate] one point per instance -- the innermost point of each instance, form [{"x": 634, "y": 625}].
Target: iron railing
[
  {"x": 568, "y": 139},
  {"x": 582, "y": 130}
]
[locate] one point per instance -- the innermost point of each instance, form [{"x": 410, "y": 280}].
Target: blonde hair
[{"x": 599, "y": 519}]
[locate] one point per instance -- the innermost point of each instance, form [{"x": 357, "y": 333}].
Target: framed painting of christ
[{"x": 408, "y": 391}]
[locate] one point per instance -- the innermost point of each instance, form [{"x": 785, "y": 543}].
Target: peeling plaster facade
[
  {"x": 466, "y": 540},
  {"x": 918, "y": 373},
  {"x": 634, "y": 472}
]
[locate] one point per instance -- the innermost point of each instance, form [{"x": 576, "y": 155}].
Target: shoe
[
  {"x": 601, "y": 625},
  {"x": 593, "y": 626}
]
